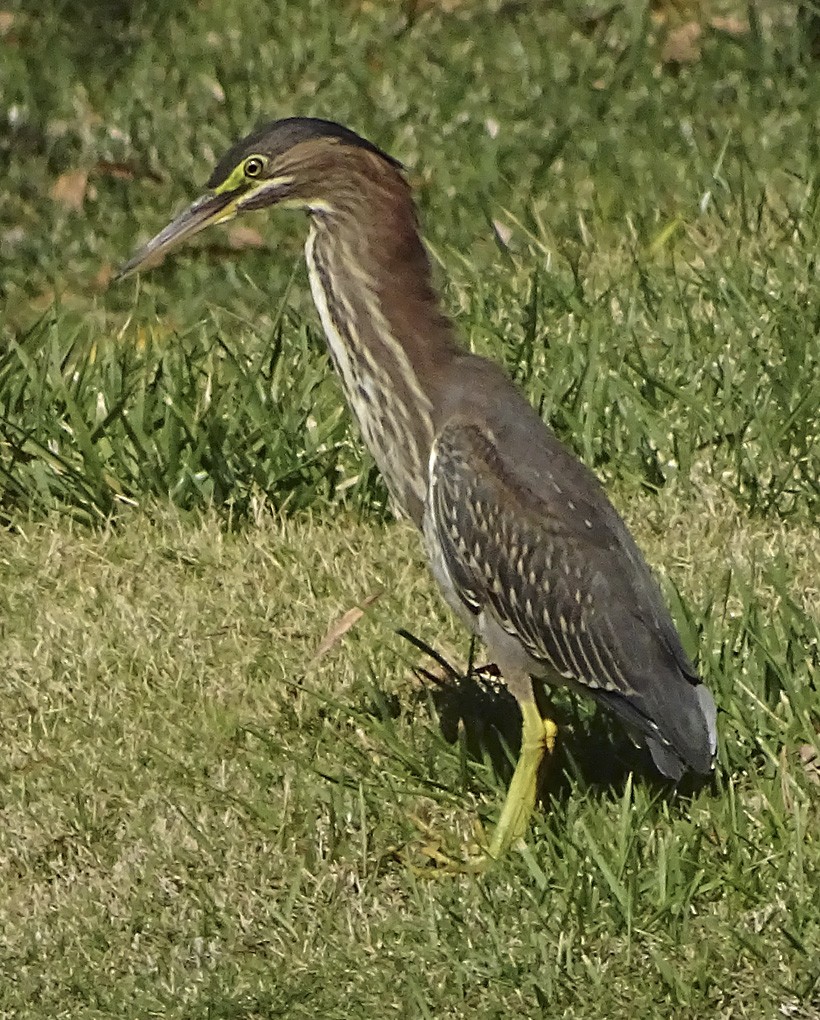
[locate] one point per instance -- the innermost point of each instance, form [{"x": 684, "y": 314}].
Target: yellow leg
[
  {"x": 537, "y": 741},
  {"x": 538, "y": 737}
]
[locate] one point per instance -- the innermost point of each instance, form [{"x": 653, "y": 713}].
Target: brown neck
[{"x": 387, "y": 336}]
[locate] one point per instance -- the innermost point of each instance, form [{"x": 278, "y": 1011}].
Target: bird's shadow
[{"x": 474, "y": 705}]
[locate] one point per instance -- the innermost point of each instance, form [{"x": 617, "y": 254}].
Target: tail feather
[{"x": 679, "y": 728}]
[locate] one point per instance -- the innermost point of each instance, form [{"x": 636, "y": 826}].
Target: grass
[{"x": 207, "y": 810}]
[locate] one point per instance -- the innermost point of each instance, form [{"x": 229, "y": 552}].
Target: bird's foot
[
  {"x": 476, "y": 856},
  {"x": 434, "y": 858}
]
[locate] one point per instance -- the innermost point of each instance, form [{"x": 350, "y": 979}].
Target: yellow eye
[{"x": 254, "y": 165}]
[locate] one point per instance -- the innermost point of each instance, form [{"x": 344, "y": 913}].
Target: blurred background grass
[
  {"x": 615, "y": 165},
  {"x": 621, "y": 200}
]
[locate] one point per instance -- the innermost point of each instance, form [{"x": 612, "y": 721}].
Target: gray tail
[{"x": 680, "y": 731}]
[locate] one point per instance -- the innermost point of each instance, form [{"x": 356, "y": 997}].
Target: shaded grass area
[{"x": 199, "y": 816}]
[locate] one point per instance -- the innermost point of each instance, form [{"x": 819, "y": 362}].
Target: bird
[{"x": 519, "y": 534}]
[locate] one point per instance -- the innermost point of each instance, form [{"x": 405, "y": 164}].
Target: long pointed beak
[{"x": 202, "y": 213}]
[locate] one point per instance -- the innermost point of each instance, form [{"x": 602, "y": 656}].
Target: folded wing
[{"x": 537, "y": 544}]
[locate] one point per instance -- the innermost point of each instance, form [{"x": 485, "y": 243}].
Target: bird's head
[{"x": 299, "y": 162}]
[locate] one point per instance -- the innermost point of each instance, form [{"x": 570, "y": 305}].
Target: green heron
[{"x": 520, "y": 536}]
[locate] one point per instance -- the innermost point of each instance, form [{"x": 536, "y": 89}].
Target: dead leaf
[
  {"x": 337, "y": 630},
  {"x": 7, "y": 19},
  {"x": 102, "y": 277},
  {"x": 42, "y": 301},
  {"x": 811, "y": 762},
  {"x": 70, "y": 189},
  {"x": 241, "y": 237},
  {"x": 503, "y": 232},
  {"x": 675, "y": 10},
  {"x": 119, "y": 171},
  {"x": 682, "y": 45},
  {"x": 124, "y": 171},
  {"x": 735, "y": 27},
  {"x": 416, "y": 8}
]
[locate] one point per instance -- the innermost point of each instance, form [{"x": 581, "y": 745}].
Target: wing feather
[
  {"x": 528, "y": 564},
  {"x": 555, "y": 566}
]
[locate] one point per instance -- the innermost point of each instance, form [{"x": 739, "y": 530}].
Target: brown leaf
[
  {"x": 811, "y": 762},
  {"x": 682, "y": 45},
  {"x": 337, "y": 630},
  {"x": 7, "y": 19},
  {"x": 735, "y": 27},
  {"x": 416, "y": 8},
  {"x": 124, "y": 171},
  {"x": 69, "y": 189},
  {"x": 44, "y": 300},
  {"x": 102, "y": 277},
  {"x": 241, "y": 237},
  {"x": 119, "y": 171}
]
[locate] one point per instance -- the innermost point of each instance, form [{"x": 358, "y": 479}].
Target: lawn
[{"x": 225, "y": 773}]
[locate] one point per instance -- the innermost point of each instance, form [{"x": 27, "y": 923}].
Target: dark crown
[{"x": 277, "y": 136}]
